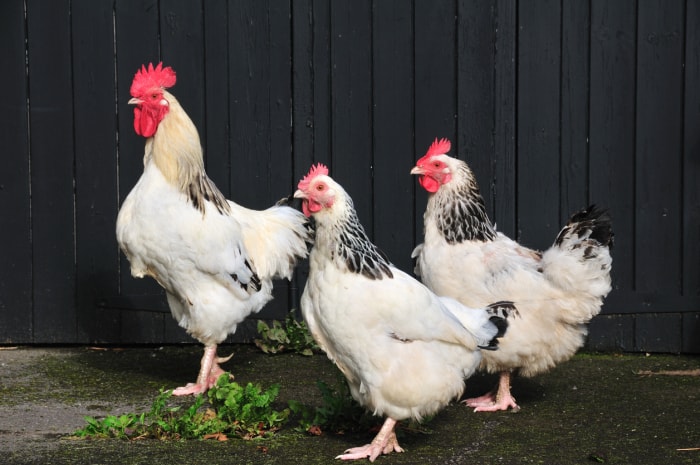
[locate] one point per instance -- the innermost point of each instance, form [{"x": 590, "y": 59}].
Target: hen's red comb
[
  {"x": 315, "y": 170},
  {"x": 438, "y": 147},
  {"x": 146, "y": 79}
]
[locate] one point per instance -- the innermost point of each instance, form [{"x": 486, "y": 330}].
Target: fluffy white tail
[
  {"x": 275, "y": 238},
  {"x": 579, "y": 261}
]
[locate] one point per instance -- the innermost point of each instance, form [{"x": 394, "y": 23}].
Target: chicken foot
[
  {"x": 384, "y": 442},
  {"x": 499, "y": 398},
  {"x": 209, "y": 372}
]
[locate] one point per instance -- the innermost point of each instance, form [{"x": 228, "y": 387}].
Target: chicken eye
[
  {"x": 436, "y": 164},
  {"x": 154, "y": 96},
  {"x": 320, "y": 187}
]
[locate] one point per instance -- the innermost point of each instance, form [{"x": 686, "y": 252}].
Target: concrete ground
[{"x": 597, "y": 408}]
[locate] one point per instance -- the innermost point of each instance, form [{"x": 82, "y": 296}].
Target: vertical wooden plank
[
  {"x": 280, "y": 169},
  {"x": 138, "y": 43},
  {"x": 16, "y": 273},
  {"x": 249, "y": 43},
  {"x": 435, "y": 86},
  {"x": 302, "y": 115},
  {"x": 106, "y": 329},
  {"x": 505, "y": 123},
  {"x": 658, "y": 332},
  {"x": 691, "y": 154},
  {"x": 435, "y": 59},
  {"x": 351, "y": 97},
  {"x": 539, "y": 61},
  {"x": 392, "y": 62},
  {"x": 214, "y": 135},
  {"x": 182, "y": 47},
  {"x": 97, "y": 254},
  {"x": 475, "y": 91},
  {"x": 691, "y": 333},
  {"x": 322, "y": 102},
  {"x": 659, "y": 148},
  {"x": 261, "y": 135},
  {"x": 143, "y": 327},
  {"x": 575, "y": 75},
  {"x": 302, "y": 87},
  {"x": 611, "y": 333},
  {"x": 52, "y": 175},
  {"x": 612, "y": 126}
]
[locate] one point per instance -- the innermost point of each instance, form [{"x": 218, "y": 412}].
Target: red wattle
[
  {"x": 429, "y": 184},
  {"x": 148, "y": 126},
  {"x": 309, "y": 207},
  {"x": 145, "y": 123},
  {"x": 137, "y": 119}
]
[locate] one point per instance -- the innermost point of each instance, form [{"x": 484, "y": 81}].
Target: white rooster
[
  {"x": 464, "y": 257},
  {"x": 215, "y": 259},
  {"x": 404, "y": 351}
]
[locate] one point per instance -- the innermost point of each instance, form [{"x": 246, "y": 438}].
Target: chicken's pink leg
[
  {"x": 498, "y": 399},
  {"x": 384, "y": 442},
  {"x": 209, "y": 372}
]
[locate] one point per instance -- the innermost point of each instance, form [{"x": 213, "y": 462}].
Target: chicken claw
[
  {"x": 498, "y": 399},
  {"x": 384, "y": 443},
  {"x": 209, "y": 373}
]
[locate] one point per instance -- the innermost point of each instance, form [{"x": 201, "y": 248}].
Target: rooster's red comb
[
  {"x": 315, "y": 170},
  {"x": 146, "y": 79},
  {"x": 438, "y": 147}
]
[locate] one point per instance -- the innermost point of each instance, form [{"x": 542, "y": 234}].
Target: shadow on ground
[{"x": 592, "y": 409}]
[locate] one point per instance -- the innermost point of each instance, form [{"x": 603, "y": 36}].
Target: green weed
[
  {"x": 338, "y": 413},
  {"x": 248, "y": 408},
  {"x": 233, "y": 411},
  {"x": 292, "y": 336}
]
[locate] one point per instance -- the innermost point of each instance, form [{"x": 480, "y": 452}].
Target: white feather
[
  {"x": 404, "y": 351},
  {"x": 196, "y": 255}
]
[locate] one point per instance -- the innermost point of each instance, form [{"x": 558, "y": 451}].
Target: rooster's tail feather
[
  {"x": 275, "y": 238},
  {"x": 499, "y": 313},
  {"x": 592, "y": 224},
  {"x": 579, "y": 262}
]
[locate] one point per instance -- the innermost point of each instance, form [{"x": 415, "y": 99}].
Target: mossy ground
[{"x": 596, "y": 408}]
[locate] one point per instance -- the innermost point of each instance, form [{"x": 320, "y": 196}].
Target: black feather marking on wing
[
  {"x": 500, "y": 313},
  {"x": 203, "y": 189},
  {"x": 254, "y": 282},
  {"x": 253, "y": 285},
  {"x": 358, "y": 252},
  {"x": 593, "y": 221}
]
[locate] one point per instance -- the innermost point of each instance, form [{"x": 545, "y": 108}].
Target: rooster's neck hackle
[
  {"x": 348, "y": 244},
  {"x": 177, "y": 152},
  {"x": 458, "y": 210}
]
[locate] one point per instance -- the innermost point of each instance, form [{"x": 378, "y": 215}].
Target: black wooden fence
[{"x": 553, "y": 104}]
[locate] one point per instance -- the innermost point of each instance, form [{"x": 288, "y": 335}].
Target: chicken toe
[
  {"x": 496, "y": 400},
  {"x": 209, "y": 373},
  {"x": 384, "y": 443}
]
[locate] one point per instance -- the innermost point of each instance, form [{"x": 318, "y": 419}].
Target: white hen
[
  {"x": 404, "y": 351},
  {"x": 215, "y": 259},
  {"x": 465, "y": 258}
]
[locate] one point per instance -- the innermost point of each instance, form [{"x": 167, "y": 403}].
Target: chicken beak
[
  {"x": 299, "y": 194},
  {"x": 135, "y": 101},
  {"x": 417, "y": 170}
]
